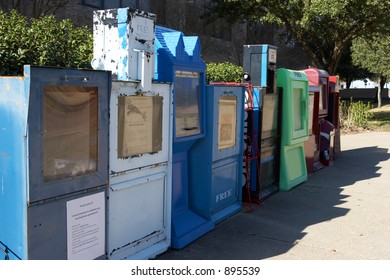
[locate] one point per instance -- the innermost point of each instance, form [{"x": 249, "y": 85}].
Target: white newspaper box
[{"x": 140, "y": 157}]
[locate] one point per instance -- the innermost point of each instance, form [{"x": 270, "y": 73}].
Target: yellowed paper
[
  {"x": 139, "y": 125},
  {"x": 227, "y": 122}
]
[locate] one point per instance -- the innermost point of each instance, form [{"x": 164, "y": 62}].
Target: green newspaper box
[{"x": 295, "y": 93}]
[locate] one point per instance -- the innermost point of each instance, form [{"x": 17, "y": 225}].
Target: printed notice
[
  {"x": 86, "y": 227},
  {"x": 272, "y": 56}
]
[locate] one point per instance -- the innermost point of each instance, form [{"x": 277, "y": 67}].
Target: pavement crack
[{"x": 281, "y": 240}]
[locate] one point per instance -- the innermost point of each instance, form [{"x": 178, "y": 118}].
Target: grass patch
[
  {"x": 380, "y": 118},
  {"x": 363, "y": 115}
]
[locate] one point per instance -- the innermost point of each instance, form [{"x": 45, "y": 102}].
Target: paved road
[{"x": 340, "y": 212}]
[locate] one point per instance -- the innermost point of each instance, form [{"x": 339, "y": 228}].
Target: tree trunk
[
  {"x": 380, "y": 87},
  {"x": 348, "y": 82}
]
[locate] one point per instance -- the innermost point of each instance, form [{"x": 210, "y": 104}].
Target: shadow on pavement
[{"x": 276, "y": 226}]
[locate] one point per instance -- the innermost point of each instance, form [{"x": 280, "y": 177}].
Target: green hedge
[
  {"x": 223, "y": 72},
  {"x": 43, "y": 41}
]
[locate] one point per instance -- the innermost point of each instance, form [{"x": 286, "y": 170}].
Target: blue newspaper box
[
  {"x": 179, "y": 62},
  {"x": 54, "y": 163},
  {"x": 216, "y": 160}
]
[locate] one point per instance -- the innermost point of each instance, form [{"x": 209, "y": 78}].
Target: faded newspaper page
[
  {"x": 227, "y": 122},
  {"x": 135, "y": 125}
]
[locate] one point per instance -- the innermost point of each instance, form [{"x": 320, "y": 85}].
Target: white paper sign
[
  {"x": 272, "y": 56},
  {"x": 86, "y": 227}
]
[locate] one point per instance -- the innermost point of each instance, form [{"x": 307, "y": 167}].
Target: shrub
[
  {"x": 42, "y": 41},
  {"x": 14, "y": 43},
  {"x": 354, "y": 115},
  {"x": 223, "y": 72}
]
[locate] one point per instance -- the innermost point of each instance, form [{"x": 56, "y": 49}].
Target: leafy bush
[
  {"x": 354, "y": 115},
  {"x": 223, "y": 72},
  {"x": 14, "y": 43},
  {"x": 42, "y": 41}
]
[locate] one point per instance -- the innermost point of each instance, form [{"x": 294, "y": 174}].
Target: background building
[{"x": 220, "y": 40}]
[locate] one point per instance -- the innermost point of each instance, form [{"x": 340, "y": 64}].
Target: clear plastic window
[
  {"x": 187, "y": 102},
  {"x": 322, "y": 96},
  {"x": 70, "y": 136},
  {"x": 139, "y": 125},
  {"x": 271, "y": 80},
  {"x": 255, "y": 70},
  {"x": 227, "y": 122},
  {"x": 311, "y": 111},
  {"x": 297, "y": 101},
  {"x": 270, "y": 113}
]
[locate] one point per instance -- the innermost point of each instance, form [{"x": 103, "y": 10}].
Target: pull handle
[
  {"x": 77, "y": 78},
  {"x": 190, "y": 128}
]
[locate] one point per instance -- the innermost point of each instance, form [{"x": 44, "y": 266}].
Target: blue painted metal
[
  {"x": 264, "y": 65},
  {"x": 216, "y": 176},
  {"x": 176, "y": 52},
  {"x": 23, "y": 190},
  {"x": 14, "y": 100},
  {"x": 123, "y": 45}
]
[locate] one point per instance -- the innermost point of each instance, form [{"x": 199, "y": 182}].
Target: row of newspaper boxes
[{"x": 139, "y": 155}]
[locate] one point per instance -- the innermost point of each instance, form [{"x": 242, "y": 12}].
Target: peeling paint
[
  {"x": 144, "y": 239},
  {"x": 106, "y": 17},
  {"x": 121, "y": 37}
]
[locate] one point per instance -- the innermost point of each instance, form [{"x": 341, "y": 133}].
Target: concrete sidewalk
[{"x": 341, "y": 212}]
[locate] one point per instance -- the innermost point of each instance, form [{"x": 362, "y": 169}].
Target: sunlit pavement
[{"x": 340, "y": 212}]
